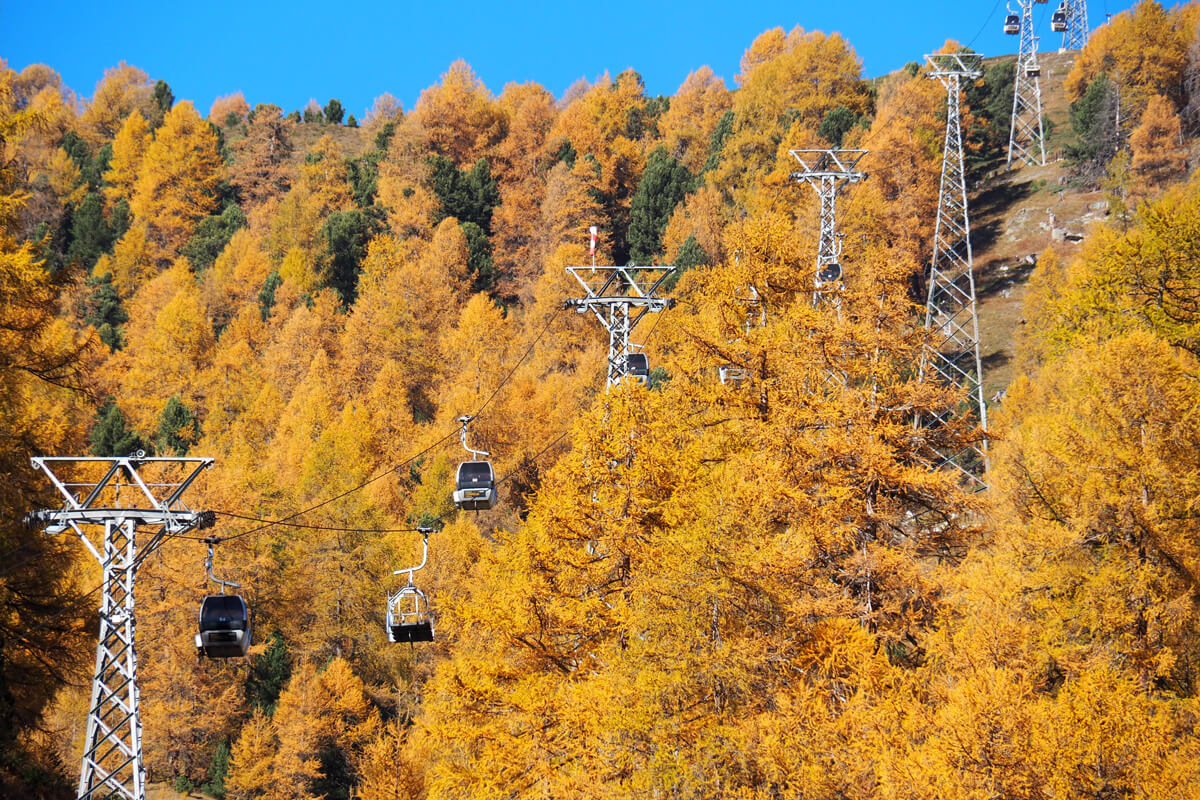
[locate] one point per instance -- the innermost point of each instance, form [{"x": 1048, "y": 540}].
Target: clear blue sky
[{"x": 355, "y": 50}]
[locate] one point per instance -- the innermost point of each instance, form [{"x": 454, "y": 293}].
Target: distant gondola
[
  {"x": 637, "y": 366},
  {"x": 1058, "y": 20}
]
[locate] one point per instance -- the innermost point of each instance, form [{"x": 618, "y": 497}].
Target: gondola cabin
[
  {"x": 830, "y": 272},
  {"x": 1033, "y": 71},
  {"x": 224, "y": 626},
  {"x": 475, "y": 486},
  {"x": 1058, "y": 20},
  {"x": 637, "y": 366},
  {"x": 408, "y": 617},
  {"x": 1012, "y": 24}
]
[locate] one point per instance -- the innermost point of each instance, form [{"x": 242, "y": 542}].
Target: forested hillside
[{"x": 754, "y": 588}]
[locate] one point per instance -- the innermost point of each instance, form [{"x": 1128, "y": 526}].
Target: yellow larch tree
[
  {"x": 43, "y": 366},
  {"x": 1159, "y": 158},
  {"x": 129, "y": 148},
  {"x": 1143, "y": 50},
  {"x": 786, "y": 82},
  {"x": 458, "y": 116},
  {"x": 382, "y": 329},
  {"x": 516, "y": 164},
  {"x": 898, "y": 204},
  {"x": 223, "y": 106},
  {"x": 123, "y": 90},
  {"x": 262, "y": 169},
  {"x": 170, "y": 341},
  {"x": 177, "y": 184},
  {"x": 687, "y": 126}
]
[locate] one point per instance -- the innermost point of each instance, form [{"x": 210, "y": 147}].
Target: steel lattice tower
[
  {"x": 1025, "y": 139},
  {"x": 1077, "y": 24},
  {"x": 620, "y": 297},
  {"x": 112, "y": 764},
  {"x": 950, "y": 309},
  {"x": 824, "y": 170}
]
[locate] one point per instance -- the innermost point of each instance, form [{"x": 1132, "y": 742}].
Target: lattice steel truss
[
  {"x": 1025, "y": 139},
  {"x": 620, "y": 297},
  {"x": 92, "y": 489},
  {"x": 825, "y": 170},
  {"x": 1077, "y": 25},
  {"x": 950, "y": 308}
]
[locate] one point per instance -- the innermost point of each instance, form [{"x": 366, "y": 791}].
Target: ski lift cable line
[
  {"x": 288, "y": 524},
  {"x": 287, "y": 521},
  {"x": 520, "y": 361},
  {"x": 987, "y": 21}
]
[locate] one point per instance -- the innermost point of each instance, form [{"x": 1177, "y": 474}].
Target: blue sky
[{"x": 354, "y": 50}]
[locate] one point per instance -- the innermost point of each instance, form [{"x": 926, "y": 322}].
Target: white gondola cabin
[
  {"x": 1012, "y": 24},
  {"x": 1058, "y": 20}
]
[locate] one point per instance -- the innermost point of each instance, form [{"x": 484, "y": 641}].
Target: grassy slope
[{"x": 1015, "y": 215}]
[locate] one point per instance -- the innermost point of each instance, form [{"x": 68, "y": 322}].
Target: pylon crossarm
[
  {"x": 963, "y": 65},
  {"x": 618, "y": 281},
  {"x": 116, "y": 466},
  {"x": 817, "y": 164}
]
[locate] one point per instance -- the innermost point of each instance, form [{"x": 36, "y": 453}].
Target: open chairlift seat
[
  {"x": 408, "y": 617},
  {"x": 224, "y": 626}
]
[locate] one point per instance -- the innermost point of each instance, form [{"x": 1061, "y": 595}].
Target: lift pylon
[
  {"x": 620, "y": 297},
  {"x": 1077, "y": 25},
  {"x": 1025, "y": 138},
  {"x": 824, "y": 170},
  {"x": 950, "y": 310},
  {"x": 106, "y": 500}
]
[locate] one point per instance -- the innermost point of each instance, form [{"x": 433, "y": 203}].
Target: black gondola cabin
[
  {"x": 224, "y": 626},
  {"x": 475, "y": 486},
  {"x": 637, "y": 366}
]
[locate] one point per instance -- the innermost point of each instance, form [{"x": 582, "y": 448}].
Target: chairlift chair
[
  {"x": 224, "y": 625},
  {"x": 637, "y": 366},
  {"x": 408, "y": 616},
  {"x": 475, "y": 481},
  {"x": 1058, "y": 20},
  {"x": 1012, "y": 24}
]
